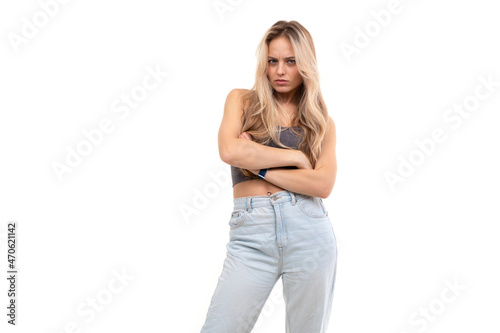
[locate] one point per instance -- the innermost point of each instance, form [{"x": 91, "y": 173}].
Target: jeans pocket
[
  {"x": 237, "y": 219},
  {"x": 313, "y": 207}
]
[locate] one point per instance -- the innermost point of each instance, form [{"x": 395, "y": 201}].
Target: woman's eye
[{"x": 289, "y": 61}]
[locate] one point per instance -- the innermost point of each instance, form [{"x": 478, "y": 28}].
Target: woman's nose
[{"x": 281, "y": 68}]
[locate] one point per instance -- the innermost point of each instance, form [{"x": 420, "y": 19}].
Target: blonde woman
[{"x": 280, "y": 143}]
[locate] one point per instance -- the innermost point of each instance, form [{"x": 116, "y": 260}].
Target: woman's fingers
[{"x": 245, "y": 135}]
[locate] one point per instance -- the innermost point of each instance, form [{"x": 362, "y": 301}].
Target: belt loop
[
  {"x": 249, "y": 204},
  {"x": 293, "y": 197}
]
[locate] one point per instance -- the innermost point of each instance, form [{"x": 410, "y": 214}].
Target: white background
[{"x": 145, "y": 201}]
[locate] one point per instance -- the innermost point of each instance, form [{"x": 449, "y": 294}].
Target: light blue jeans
[{"x": 283, "y": 234}]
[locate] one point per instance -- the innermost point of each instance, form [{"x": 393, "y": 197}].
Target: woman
[{"x": 280, "y": 143}]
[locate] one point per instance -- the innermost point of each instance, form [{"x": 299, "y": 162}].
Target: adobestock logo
[
  {"x": 363, "y": 37},
  {"x": 39, "y": 20},
  {"x": 92, "y": 306},
  {"x": 453, "y": 116},
  {"x": 220, "y": 179},
  {"x": 431, "y": 312},
  {"x": 203, "y": 197},
  {"x": 223, "y": 6},
  {"x": 95, "y": 137}
]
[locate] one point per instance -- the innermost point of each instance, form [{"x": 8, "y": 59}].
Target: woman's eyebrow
[{"x": 285, "y": 58}]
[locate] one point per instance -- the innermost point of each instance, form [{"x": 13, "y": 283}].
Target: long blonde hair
[{"x": 261, "y": 117}]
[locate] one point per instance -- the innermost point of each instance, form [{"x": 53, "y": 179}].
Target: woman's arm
[
  {"x": 248, "y": 154},
  {"x": 306, "y": 181},
  {"x": 243, "y": 153},
  {"x": 316, "y": 182}
]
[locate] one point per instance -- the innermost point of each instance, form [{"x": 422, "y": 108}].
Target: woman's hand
[
  {"x": 247, "y": 136},
  {"x": 303, "y": 161}
]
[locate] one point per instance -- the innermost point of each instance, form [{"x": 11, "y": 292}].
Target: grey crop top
[{"x": 287, "y": 137}]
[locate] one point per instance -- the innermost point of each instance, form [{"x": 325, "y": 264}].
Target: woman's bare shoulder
[{"x": 240, "y": 94}]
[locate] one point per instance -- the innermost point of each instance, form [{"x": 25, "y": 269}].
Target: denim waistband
[{"x": 249, "y": 202}]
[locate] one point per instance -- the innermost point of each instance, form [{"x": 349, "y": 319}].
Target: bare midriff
[{"x": 252, "y": 187}]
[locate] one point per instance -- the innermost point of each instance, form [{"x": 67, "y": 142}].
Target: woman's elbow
[
  {"x": 225, "y": 156},
  {"x": 225, "y": 152},
  {"x": 326, "y": 188}
]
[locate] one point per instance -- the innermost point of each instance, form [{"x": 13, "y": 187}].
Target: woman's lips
[{"x": 281, "y": 81}]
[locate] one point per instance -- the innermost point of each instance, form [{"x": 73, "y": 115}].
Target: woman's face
[{"x": 281, "y": 66}]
